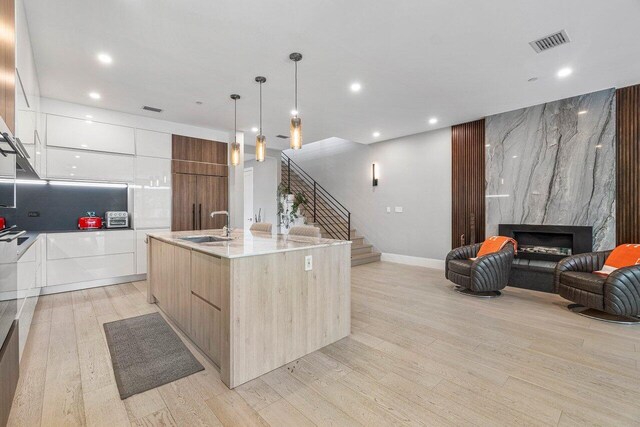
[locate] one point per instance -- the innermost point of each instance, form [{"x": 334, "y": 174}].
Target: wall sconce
[{"x": 374, "y": 176}]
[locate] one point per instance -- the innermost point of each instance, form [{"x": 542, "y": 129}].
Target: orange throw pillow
[
  {"x": 494, "y": 244},
  {"x": 622, "y": 256}
]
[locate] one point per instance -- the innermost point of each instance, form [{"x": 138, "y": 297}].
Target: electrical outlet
[
  {"x": 308, "y": 263},
  {"x": 399, "y": 209}
]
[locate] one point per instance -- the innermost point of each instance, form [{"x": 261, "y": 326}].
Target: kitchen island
[{"x": 255, "y": 302}]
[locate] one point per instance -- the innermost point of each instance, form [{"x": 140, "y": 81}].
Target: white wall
[
  {"x": 265, "y": 188},
  {"x": 414, "y": 173}
]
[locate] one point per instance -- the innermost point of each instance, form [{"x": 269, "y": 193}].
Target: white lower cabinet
[
  {"x": 89, "y": 166},
  {"x": 85, "y": 256},
  {"x": 89, "y": 243},
  {"x": 86, "y": 269},
  {"x": 141, "y": 248},
  {"x": 29, "y": 273}
]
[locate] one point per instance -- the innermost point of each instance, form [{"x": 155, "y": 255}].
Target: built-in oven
[{"x": 8, "y": 279}]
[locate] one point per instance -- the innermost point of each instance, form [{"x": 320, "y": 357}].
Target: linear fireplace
[
  {"x": 540, "y": 247},
  {"x": 549, "y": 242}
]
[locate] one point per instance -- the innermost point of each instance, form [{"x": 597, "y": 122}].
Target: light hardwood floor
[{"x": 419, "y": 354}]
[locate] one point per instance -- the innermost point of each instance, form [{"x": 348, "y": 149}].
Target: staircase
[{"x": 325, "y": 212}]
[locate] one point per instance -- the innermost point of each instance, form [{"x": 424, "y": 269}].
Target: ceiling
[{"x": 451, "y": 59}]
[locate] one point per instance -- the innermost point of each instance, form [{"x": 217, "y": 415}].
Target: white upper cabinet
[
  {"x": 153, "y": 144},
  {"x": 89, "y": 166},
  {"x": 89, "y": 135},
  {"x": 152, "y": 193}
]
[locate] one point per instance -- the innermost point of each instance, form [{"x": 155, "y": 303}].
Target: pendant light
[
  {"x": 235, "y": 146},
  {"x": 261, "y": 141},
  {"x": 296, "y": 122}
]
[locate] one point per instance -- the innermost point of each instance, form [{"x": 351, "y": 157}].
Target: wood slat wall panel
[
  {"x": 628, "y": 165},
  {"x": 468, "y": 182}
]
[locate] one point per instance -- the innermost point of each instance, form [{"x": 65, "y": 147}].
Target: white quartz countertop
[{"x": 245, "y": 243}]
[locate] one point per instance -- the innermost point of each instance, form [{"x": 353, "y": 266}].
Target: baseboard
[
  {"x": 413, "y": 260},
  {"x": 48, "y": 290}
]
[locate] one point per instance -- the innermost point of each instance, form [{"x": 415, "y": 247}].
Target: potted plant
[{"x": 298, "y": 207}]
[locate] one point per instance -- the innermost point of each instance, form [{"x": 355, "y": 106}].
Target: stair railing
[{"x": 328, "y": 212}]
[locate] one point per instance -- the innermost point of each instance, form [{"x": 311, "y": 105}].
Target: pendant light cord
[
  {"x": 296, "y": 85},
  {"x": 235, "y": 121},
  {"x": 260, "y": 108}
]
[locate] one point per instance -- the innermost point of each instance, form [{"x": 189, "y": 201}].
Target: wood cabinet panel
[
  {"x": 199, "y": 168},
  {"x": 206, "y": 328},
  {"x": 8, "y": 63},
  {"x": 179, "y": 292},
  {"x": 183, "y": 202},
  {"x": 9, "y": 372},
  {"x": 161, "y": 270},
  {"x": 198, "y": 150},
  {"x": 206, "y": 278},
  {"x": 171, "y": 281},
  {"x": 211, "y": 195}
]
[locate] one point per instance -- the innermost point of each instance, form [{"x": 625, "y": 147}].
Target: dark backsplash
[{"x": 60, "y": 206}]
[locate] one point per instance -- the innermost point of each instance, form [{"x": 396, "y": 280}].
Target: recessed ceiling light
[
  {"x": 376, "y": 134},
  {"x": 77, "y": 157},
  {"x": 294, "y": 112},
  {"x": 487, "y": 145},
  {"x": 355, "y": 87},
  {"x": 74, "y": 167},
  {"x": 105, "y": 58},
  {"x": 83, "y": 145},
  {"x": 433, "y": 121},
  {"x": 564, "y": 72},
  {"x": 515, "y": 157},
  {"x": 89, "y": 116},
  {"x": 599, "y": 146},
  {"x": 72, "y": 174},
  {"x": 583, "y": 112},
  {"x": 254, "y": 129},
  {"x": 94, "y": 95}
]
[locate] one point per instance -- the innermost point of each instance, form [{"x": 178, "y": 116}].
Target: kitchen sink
[{"x": 205, "y": 239}]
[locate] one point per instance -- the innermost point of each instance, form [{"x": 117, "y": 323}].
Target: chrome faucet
[{"x": 226, "y": 231}]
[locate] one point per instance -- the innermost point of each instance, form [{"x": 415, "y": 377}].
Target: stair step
[
  {"x": 365, "y": 258},
  {"x": 325, "y": 234},
  {"x": 361, "y": 249}
]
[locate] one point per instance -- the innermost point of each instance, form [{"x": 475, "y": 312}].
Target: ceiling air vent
[
  {"x": 282, "y": 136},
  {"x": 550, "y": 41},
  {"x": 154, "y": 109}
]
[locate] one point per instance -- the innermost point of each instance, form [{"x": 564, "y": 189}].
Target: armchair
[
  {"x": 614, "y": 298},
  {"x": 483, "y": 277}
]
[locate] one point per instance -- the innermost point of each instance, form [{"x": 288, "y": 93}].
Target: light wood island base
[{"x": 253, "y": 314}]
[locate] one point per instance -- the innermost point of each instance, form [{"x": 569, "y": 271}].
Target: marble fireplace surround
[{"x": 554, "y": 164}]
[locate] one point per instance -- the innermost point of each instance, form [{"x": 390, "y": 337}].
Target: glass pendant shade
[
  {"x": 235, "y": 154},
  {"x": 296, "y": 133},
  {"x": 261, "y": 148}
]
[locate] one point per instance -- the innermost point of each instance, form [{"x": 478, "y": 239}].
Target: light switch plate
[
  {"x": 388, "y": 209},
  {"x": 399, "y": 209},
  {"x": 308, "y": 263}
]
